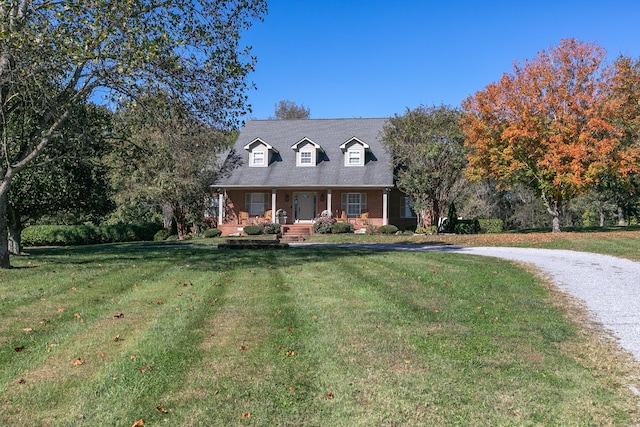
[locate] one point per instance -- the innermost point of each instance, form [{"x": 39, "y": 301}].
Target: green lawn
[{"x": 196, "y": 336}]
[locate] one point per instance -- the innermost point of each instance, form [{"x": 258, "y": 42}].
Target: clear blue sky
[{"x": 374, "y": 58}]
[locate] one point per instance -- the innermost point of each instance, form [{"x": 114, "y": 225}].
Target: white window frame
[
  {"x": 354, "y": 156},
  {"x": 257, "y": 203},
  {"x": 258, "y": 158},
  {"x": 306, "y": 158},
  {"x": 354, "y": 203}
]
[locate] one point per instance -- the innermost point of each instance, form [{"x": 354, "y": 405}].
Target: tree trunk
[
  {"x": 555, "y": 223},
  {"x": 167, "y": 215},
  {"x": 601, "y": 217},
  {"x": 14, "y": 229},
  {"x": 4, "y": 234},
  {"x": 182, "y": 224},
  {"x": 554, "y": 211},
  {"x": 621, "y": 220}
]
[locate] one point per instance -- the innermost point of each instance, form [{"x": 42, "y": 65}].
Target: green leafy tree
[
  {"x": 167, "y": 160},
  {"x": 56, "y": 54},
  {"x": 428, "y": 157},
  {"x": 64, "y": 183},
  {"x": 289, "y": 110}
]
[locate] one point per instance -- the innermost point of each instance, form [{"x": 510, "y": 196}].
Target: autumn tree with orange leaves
[{"x": 553, "y": 124}]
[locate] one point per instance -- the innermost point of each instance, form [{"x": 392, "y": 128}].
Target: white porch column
[
  {"x": 329, "y": 201},
  {"x": 385, "y": 206},
  {"x": 273, "y": 205},
  {"x": 220, "y": 205}
]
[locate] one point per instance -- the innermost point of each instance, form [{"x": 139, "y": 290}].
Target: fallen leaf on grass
[
  {"x": 77, "y": 315},
  {"x": 19, "y": 349},
  {"x": 145, "y": 369},
  {"x": 246, "y": 415},
  {"x": 138, "y": 423},
  {"x": 160, "y": 302},
  {"x": 77, "y": 362},
  {"x": 60, "y": 310},
  {"x": 290, "y": 353},
  {"x": 329, "y": 396},
  {"x": 20, "y": 380},
  {"x": 243, "y": 347},
  {"x": 161, "y": 409},
  {"x": 28, "y": 329},
  {"x": 118, "y": 315},
  {"x": 116, "y": 338}
]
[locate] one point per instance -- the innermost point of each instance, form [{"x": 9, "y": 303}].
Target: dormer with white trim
[
  {"x": 355, "y": 152},
  {"x": 260, "y": 153},
  {"x": 308, "y": 153}
]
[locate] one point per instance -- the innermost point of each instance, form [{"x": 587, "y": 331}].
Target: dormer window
[
  {"x": 354, "y": 152},
  {"x": 307, "y": 152},
  {"x": 354, "y": 157},
  {"x": 306, "y": 157},
  {"x": 258, "y": 158},
  {"x": 260, "y": 153}
]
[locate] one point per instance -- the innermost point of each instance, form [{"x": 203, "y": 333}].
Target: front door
[{"x": 304, "y": 206}]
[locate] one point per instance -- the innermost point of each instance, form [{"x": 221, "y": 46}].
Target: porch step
[{"x": 295, "y": 232}]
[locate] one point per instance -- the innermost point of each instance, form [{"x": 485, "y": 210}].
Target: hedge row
[
  {"x": 267, "y": 228},
  {"x": 65, "y": 235},
  {"x": 491, "y": 225}
]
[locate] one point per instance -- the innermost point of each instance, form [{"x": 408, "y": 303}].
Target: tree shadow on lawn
[{"x": 207, "y": 257}]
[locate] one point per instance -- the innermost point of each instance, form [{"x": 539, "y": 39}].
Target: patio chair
[
  {"x": 363, "y": 219},
  {"x": 243, "y": 217},
  {"x": 267, "y": 216},
  {"x": 342, "y": 217}
]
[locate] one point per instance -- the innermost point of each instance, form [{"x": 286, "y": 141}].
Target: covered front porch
[{"x": 299, "y": 207}]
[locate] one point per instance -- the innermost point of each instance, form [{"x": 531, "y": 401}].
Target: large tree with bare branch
[{"x": 56, "y": 54}]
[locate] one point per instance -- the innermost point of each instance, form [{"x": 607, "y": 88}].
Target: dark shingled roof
[{"x": 329, "y": 172}]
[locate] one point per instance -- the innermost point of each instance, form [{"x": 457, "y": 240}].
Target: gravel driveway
[{"x": 608, "y": 286}]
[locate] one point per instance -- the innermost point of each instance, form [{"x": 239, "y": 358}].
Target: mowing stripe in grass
[{"x": 312, "y": 336}]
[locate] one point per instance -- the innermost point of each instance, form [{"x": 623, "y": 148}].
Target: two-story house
[{"x": 299, "y": 169}]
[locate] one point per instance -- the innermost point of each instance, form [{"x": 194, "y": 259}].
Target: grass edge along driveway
[{"x": 113, "y": 334}]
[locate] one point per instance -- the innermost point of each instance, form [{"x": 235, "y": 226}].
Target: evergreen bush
[
  {"x": 270, "y": 228},
  {"x": 388, "y": 229},
  {"x": 341, "y": 227},
  {"x": 212, "y": 232},
  {"x": 252, "y": 230}
]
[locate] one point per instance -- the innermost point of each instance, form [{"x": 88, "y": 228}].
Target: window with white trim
[
  {"x": 257, "y": 158},
  {"x": 354, "y": 157},
  {"x": 306, "y": 158},
  {"x": 354, "y": 203},
  {"x": 406, "y": 208},
  {"x": 256, "y": 203}
]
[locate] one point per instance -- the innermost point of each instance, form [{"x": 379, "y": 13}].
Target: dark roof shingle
[{"x": 329, "y": 172}]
